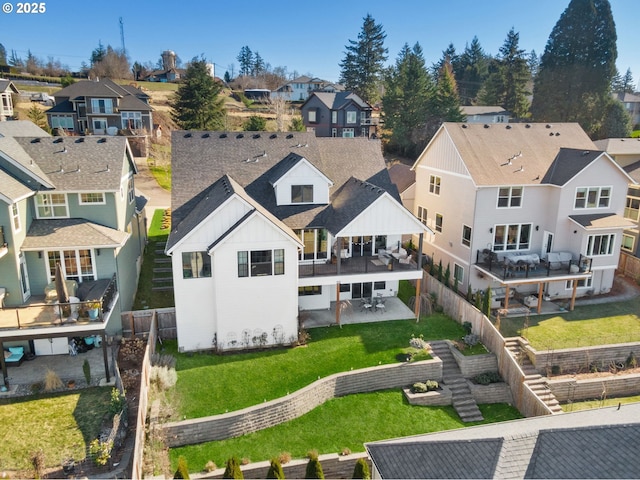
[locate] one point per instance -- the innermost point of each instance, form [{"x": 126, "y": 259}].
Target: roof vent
[
  {"x": 273, "y": 135},
  {"x": 551, "y": 134},
  {"x": 508, "y": 127},
  {"x": 80, "y": 140},
  {"x": 102, "y": 140},
  {"x": 205, "y": 135},
  {"x": 464, "y": 125},
  {"x": 585, "y": 153},
  {"x": 58, "y": 140},
  {"x": 223, "y": 135},
  {"x": 256, "y": 135},
  {"x": 290, "y": 136},
  {"x": 187, "y": 135},
  {"x": 548, "y": 125},
  {"x": 528, "y": 125},
  {"x": 557, "y": 134},
  {"x": 486, "y": 125},
  {"x": 36, "y": 140},
  {"x": 240, "y": 135}
]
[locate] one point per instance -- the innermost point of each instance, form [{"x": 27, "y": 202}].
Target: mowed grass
[
  {"x": 209, "y": 384},
  {"x": 61, "y": 425},
  {"x": 346, "y": 422},
  {"x": 588, "y": 325}
]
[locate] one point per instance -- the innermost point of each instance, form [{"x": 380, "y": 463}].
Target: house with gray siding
[
  {"x": 342, "y": 114},
  {"x": 67, "y": 201},
  {"x": 7, "y": 90},
  {"x": 532, "y": 209}
]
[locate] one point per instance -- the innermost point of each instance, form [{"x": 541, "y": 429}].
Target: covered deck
[{"x": 356, "y": 265}]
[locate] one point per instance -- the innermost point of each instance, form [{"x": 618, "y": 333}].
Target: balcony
[
  {"x": 512, "y": 267},
  {"x": 354, "y": 266},
  {"x": 369, "y": 121},
  {"x": 37, "y": 314}
]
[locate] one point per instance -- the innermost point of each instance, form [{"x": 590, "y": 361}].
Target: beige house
[
  {"x": 533, "y": 208},
  {"x": 7, "y": 89}
]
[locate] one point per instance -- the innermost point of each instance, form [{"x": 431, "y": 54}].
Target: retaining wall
[
  {"x": 473, "y": 365},
  {"x": 274, "y": 412},
  {"x": 595, "y": 388}
]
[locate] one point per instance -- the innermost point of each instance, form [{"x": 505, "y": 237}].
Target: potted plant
[{"x": 93, "y": 309}]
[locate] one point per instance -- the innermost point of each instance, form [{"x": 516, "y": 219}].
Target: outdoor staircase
[
  {"x": 532, "y": 378},
  {"x": 162, "y": 265},
  {"x": 462, "y": 400}
]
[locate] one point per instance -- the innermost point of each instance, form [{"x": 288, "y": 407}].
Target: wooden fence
[
  {"x": 629, "y": 265},
  {"x": 525, "y": 400},
  {"x": 138, "y": 322}
]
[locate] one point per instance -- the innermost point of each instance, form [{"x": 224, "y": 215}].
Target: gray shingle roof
[
  {"x": 72, "y": 233},
  {"x": 619, "y": 146},
  {"x": 8, "y": 84},
  {"x": 79, "y": 163},
  {"x": 403, "y": 176},
  {"x": 130, "y": 97},
  {"x": 595, "y": 221},
  {"x": 338, "y": 100},
  {"x": 201, "y": 158},
  {"x": 567, "y": 164}
]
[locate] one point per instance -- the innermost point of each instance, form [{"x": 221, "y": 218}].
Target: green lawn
[
  {"x": 589, "y": 404},
  {"x": 160, "y": 165},
  {"x": 607, "y": 323},
  {"x": 61, "y": 424},
  {"x": 210, "y": 384},
  {"x": 346, "y": 422}
]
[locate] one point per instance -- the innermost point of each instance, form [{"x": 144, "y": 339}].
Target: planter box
[
  {"x": 437, "y": 398},
  {"x": 473, "y": 365}
]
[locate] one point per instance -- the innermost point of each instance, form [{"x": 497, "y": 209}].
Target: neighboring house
[
  {"x": 342, "y": 114},
  {"x": 66, "y": 200},
  {"x": 101, "y": 107},
  {"x": 551, "y": 446},
  {"x": 299, "y": 89},
  {"x": 404, "y": 178},
  {"x": 265, "y": 225},
  {"x": 529, "y": 206},
  {"x": 7, "y": 89},
  {"x": 631, "y": 102},
  {"x": 626, "y": 153},
  {"x": 485, "y": 114},
  {"x": 165, "y": 76}
]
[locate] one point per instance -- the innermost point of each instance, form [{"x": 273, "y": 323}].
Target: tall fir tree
[
  {"x": 577, "y": 66},
  {"x": 445, "y": 104},
  {"x": 471, "y": 72},
  {"x": 258, "y": 65},
  {"x": 449, "y": 56},
  {"x": 197, "y": 105},
  {"x": 363, "y": 64},
  {"x": 408, "y": 88},
  {"x": 3, "y": 55},
  {"x": 246, "y": 60}
]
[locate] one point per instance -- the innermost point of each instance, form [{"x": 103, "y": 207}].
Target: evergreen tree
[
  {"x": 363, "y": 64},
  {"x": 245, "y": 59},
  {"x": 3, "y": 55},
  {"x": 258, "y": 65},
  {"x": 361, "y": 469},
  {"x": 38, "y": 117},
  {"x": 98, "y": 54},
  {"x": 232, "y": 469},
  {"x": 408, "y": 87},
  {"x": 227, "y": 77},
  {"x": 314, "y": 469},
  {"x": 445, "y": 103},
  {"x": 196, "y": 104},
  {"x": 623, "y": 84},
  {"x": 275, "y": 470},
  {"x": 297, "y": 125},
  {"x": 448, "y": 56},
  {"x": 67, "y": 80},
  {"x": 577, "y": 66},
  {"x": 471, "y": 71},
  {"x": 15, "y": 60},
  {"x": 508, "y": 78},
  {"x": 616, "y": 122},
  {"x": 255, "y": 123},
  {"x": 533, "y": 62}
]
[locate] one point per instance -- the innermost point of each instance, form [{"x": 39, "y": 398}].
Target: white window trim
[
  {"x": 351, "y": 114},
  {"x": 588, "y": 282},
  {"x": 15, "y": 217},
  {"x": 82, "y": 202},
  {"x": 511, "y": 197},
  {"x": 350, "y": 131},
  {"x": 66, "y": 206},
  {"x": 460, "y": 280},
  {"x": 435, "y": 222},
  {"x": 633, "y": 243},
  {"x": 51, "y": 275},
  {"x": 423, "y": 218},
  {"x": 597, "y": 206},
  {"x": 435, "y": 183},
  {"x": 628, "y": 209},
  {"x": 610, "y": 245},
  {"x": 107, "y": 110},
  {"x": 506, "y": 237},
  {"x": 462, "y": 239}
]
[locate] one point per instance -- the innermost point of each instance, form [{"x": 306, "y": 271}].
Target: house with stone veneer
[{"x": 266, "y": 225}]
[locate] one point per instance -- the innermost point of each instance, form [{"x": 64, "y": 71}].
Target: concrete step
[
  {"x": 162, "y": 260},
  {"x": 162, "y": 288},
  {"x": 162, "y": 279},
  {"x": 162, "y": 270},
  {"x": 161, "y": 244}
]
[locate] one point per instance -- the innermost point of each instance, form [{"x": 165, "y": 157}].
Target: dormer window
[{"x": 301, "y": 193}]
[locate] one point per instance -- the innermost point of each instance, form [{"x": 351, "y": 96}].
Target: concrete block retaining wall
[
  {"x": 438, "y": 398},
  {"x": 274, "y": 412},
  {"x": 593, "y": 388},
  {"x": 571, "y": 360},
  {"x": 492, "y": 393},
  {"x": 473, "y": 365}
]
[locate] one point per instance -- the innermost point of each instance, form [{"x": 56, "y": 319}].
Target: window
[
  {"x": 438, "y": 223},
  {"x": 379, "y": 285},
  {"x": 348, "y": 133},
  {"x": 351, "y": 117},
  {"x": 301, "y": 193},
  {"x": 509, "y": 197},
  {"x": 101, "y": 105},
  {"x": 76, "y": 264},
  {"x": 512, "y": 237},
  {"x": 422, "y": 215},
  {"x": 51, "y": 205},
  {"x": 92, "y": 198},
  {"x": 62, "y": 121},
  {"x": 262, "y": 263},
  {"x": 458, "y": 273},
  {"x": 434, "y": 185},
  {"x": 466, "y": 236},
  {"x": 628, "y": 242},
  {"x": 632, "y": 209},
  {"x": 131, "y": 120},
  {"x": 345, "y": 287},
  {"x": 592, "y": 197},
  {"x": 334, "y": 116},
  {"x": 100, "y": 124},
  {"x": 15, "y": 216},
  {"x": 600, "y": 244},
  {"x": 131, "y": 192},
  {"x": 311, "y": 290},
  {"x": 312, "y": 115},
  {"x": 196, "y": 265},
  {"x": 582, "y": 283},
  {"x": 334, "y": 132}
]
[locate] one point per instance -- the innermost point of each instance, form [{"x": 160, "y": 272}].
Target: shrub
[
  {"x": 163, "y": 360},
  {"x": 632, "y": 361},
  {"x": 101, "y": 451},
  {"x": 345, "y": 451},
  {"x": 52, "y": 381},
  {"x": 419, "y": 387},
  {"x": 232, "y": 469},
  {"x": 210, "y": 466},
  {"x": 182, "y": 471},
  {"x": 163, "y": 377},
  {"x": 117, "y": 403},
  {"x": 86, "y": 368},
  {"x": 314, "y": 469},
  {"x": 486, "y": 378},
  {"x": 361, "y": 470},
  {"x": 38, "y": 462},
  {"x": 418, "y": 342},
  {"x": 432, "y": 385},
  {"x": 467, "y": 327},
  {"x": 275, "y": 469},
  {"x": 284, "y": 457},
  {"x": 471, "y": 339}
]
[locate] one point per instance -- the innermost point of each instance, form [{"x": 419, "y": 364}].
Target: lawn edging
[{"x": 296, "y": 404}]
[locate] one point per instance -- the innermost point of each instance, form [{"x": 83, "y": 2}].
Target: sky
[{"x": 305, "y": 37}]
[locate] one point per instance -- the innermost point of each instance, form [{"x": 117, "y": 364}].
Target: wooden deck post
[
  {"x": 418, "y": 297},
  {"x": 104, "y": 355},
  {"x": 506, "y": 296},
  {"x": 572, "y": 304},
  {"x": 540, "y": 294},
  {"x": 5, "y": 376}
]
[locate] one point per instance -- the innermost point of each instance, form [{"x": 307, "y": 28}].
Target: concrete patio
[{"x": 352, "y": 312}]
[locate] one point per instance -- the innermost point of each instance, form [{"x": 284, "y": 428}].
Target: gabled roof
[
  {"x": 80, "y": 163},
  {"x": 72, "y": 233},
  {"x": 287, "y": 164},
  {"x": 518, "y": 153},
  {"x": 567, "y": 164},
  {"x": 253, "y": 159},
  {"x": 7, "y": 85},
  {"x": 619, "y": 146},
  {"x": 130, "y": 97},
  {"x": 553, "y": 446},
  {"x": 402, "y": 176},
  {"x": 339, "y": 100}
]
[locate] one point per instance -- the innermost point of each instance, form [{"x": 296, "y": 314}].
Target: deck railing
[
  {"x": 504, "y": 269},
  {"x": 355, "y": 265}
]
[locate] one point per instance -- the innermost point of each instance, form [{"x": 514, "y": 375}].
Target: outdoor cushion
[{"x": 16, "y": 350}]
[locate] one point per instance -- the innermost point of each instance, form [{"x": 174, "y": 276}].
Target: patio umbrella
[{"x": 61, "y": 285}]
